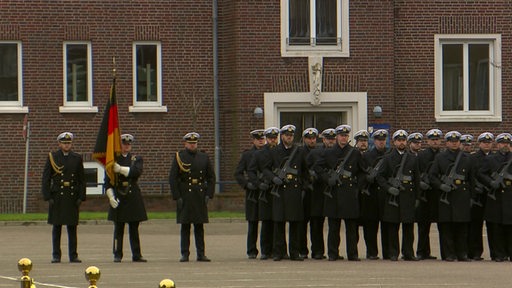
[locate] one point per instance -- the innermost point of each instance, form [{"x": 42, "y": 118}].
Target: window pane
[
  {"x": 8, "y": 72},
  {"x": 91, "y": 177},
  {"x": 146, "y": 72},
  {"x": 452, "y": 77},
  {"x": 326, "y": 22},
  {"x": 318, "y": 120},
  {"x": 299, "y": 22},
  {"x": 479, "y": 77},
  {"x": 76, "y": 71}
]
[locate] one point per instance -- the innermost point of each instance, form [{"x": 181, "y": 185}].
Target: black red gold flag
[{"x": 108, "y": 141}]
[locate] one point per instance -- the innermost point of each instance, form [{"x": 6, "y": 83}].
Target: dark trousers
[
  {"x": 475, "y": 241},
  {"x": 454, "y": 239},
  {"x": 370, "y": 231},
  {"x": 279, "y": 249},
  {"x": 199, "y": 238},
  {"x": 72, "y": 241},
  {"x": 303, "y": 237},
  {"x": 267, "y": 237},
  {"x": 407, "y": 239},
  {"x": 502, "y": 237},
  {"x": 133, "y": 232},
  {"x": 384, "y": 239},
  {"x": 423, "y": 248},
  {"x": 351, "y": 235},
  {"x": 252, "y": 237},
  {"x": 317, "y": 236},
  {"x": 490, "y": 239}
]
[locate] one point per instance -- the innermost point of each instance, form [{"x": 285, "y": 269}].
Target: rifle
[
  {"x": 251, "y": 196},
  {"x": 339, "y": 172},
  {"x": 285, "y": 170},
  {"x": 480, "y": 189},
  {"x": 424, "y": 178},
  {"x": 499, "y": 177},
  {"x": 397, "y": 181},
  {"x": 372, "y": 174},
  {"x": 262, "y": 195},
  {"x": 451, "y": 178}
]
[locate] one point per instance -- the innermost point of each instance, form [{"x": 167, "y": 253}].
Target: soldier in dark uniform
[
  {"x": 192, "y": 181},
  {"x": 261, "y": 159},
  {"x": 251, "y": 188},
  {"x": 475, "y": 241},
  {"x": 373, "y": 199},
  {"x": 466, "y": 143},
  {"x": 287, "y": 194},
  {"x": 399, "y": 176},
  {"x": 125, "y": 198},
  {"x": 414, "y": 141},
  {"x": 343, "y": 166},
  {"x": 496, "y": 173},
  {"x": 63, "y": 186},
  {"x": 427, "y": 211},
  {"x": 452, "y": 173},
  {"x": 309, "y": 137},
  {"x": 315, "y": 166}
]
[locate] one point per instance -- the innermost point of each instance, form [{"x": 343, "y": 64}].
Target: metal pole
[
  {"x": 216, "y": 98},
  {"x": 25, "y": 181}
]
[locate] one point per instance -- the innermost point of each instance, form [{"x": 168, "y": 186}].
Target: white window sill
[
  {"x": 71, "y": 109},
  {"x": 13, "y": 109},
  {"x": 147, "y": 109},
  {"x": 468, "y": 118}
]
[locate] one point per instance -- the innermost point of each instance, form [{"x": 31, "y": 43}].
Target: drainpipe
[{"x": 216, "y": 97}]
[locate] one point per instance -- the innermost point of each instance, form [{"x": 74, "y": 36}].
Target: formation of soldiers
[{"x": 420, "y": 180}]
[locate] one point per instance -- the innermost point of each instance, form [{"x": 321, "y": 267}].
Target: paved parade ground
[{"x": 225, "y": 245}]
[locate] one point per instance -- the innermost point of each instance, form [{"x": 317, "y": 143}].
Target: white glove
[
  {"x": 112, "y": 199},
  {"x": 117, "y": 167},
  {"x": 125, "y": 170}
]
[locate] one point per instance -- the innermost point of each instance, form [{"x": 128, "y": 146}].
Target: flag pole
[{"x": 26, "y": 136}]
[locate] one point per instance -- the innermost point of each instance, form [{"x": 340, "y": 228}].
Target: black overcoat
[
  {"x": 192, "y": 186},
  {"x": 372, "y": 197},
  {"x": 64, "y": 186},
  {"x": 131, "y": 204},
  {"x": 427, "y": 211},
  {"x": 345, "y": 199},
  {"x": 407, "y": 197},
  {"x": 242, "y": 178},
  {"x": 497, "y": 210},
  {"x": 460, "y": 196}
]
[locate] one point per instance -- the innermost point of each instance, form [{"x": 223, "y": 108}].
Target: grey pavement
[{"x": 225, "y": 245}]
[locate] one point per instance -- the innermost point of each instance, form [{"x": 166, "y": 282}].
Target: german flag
[{"x": 108, "y": 142}]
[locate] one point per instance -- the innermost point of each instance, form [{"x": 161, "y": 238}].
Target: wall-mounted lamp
[
  {"x": 377, "y": 111},
  {"x": 258, "y": 112}
]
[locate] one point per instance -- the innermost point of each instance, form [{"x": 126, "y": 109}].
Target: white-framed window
[
  {"x": 147, "y": 77},
  {"x": 94, "y": 178},
  {"x": 315, "y": 28},
  {"x": 468, "y": 77},
  {"x": 11, "y": 84},
  {"x": 77, "y": 78}
]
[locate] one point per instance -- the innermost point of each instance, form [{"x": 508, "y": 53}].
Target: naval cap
[
  {"x": 191, "y": 137},
  {"x": 400, "y": 134},
  {"x": 452, "y": 136},
  {"x": 466, "y": 139},
  {"x": 258, "y": 134},
  {"x": 485, "y": 137},
  {"x": 434, "y": 134},
  {"x": 329, "y": 133},
  {"x": 310, "y": 133},
  {"x": 127, "y": 138},
  {"x": 343, "y": 129},
  {"x": 65, "y": 137},
  {"x": 504, "y": 138},
  {"x": 361, "y": 134},
  {"x": 271, "y": 132},
  {"x": 288, "y": 129},
  {"x": 380, "y": 134},
  {"x": 415, "y": 137}
]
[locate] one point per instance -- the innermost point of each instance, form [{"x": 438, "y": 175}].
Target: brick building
[{"x": 209, "y": 66}]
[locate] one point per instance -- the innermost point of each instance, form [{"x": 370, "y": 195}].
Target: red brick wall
[{"x": 184, "y": 29}]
